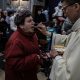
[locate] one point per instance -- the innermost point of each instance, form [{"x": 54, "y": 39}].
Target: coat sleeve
[
  {"x": 16, "y": 59},
  {"x": 67, "y": 68},
  {"x": 58, "y": 71},
  {"x": 59, "y": 64}
]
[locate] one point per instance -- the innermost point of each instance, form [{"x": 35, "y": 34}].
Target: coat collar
[
  {"x": 76, "y": 25},
  {"x": 29, "y": 35}
]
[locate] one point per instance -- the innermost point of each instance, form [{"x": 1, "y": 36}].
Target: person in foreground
[
  {"x": 66, "y": 67},
  {"x": 22, "y": 51}
]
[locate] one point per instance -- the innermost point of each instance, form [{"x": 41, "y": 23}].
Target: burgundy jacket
[{"x": 21, "y": 57}]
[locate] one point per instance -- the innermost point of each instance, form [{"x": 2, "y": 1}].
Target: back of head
[{"x": 20, "y": 17}]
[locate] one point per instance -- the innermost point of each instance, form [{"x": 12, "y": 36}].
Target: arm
[
  {"x": 66, "y": 66},
  {"x": 58, "y": 70},
  {"x": 42, "y": 28},
  {"x": 12, "y": 24},
  {"x": 56, "y": 12}
]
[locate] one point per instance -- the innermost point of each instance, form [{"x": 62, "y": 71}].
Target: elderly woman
[{"x": 22, "y": 52}]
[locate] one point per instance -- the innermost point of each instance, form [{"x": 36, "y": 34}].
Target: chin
[{"x": 32, "y": 30}]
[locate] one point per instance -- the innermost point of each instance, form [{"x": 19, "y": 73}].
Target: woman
[{"x": 22, "y": 52}]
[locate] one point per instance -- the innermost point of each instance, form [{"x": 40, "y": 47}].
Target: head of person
[
  {"x": 24, "y": 21},
  {"x": 71, "y": 9},
  {"x": 5, "y": 12},
  {"x": 1, "y": 14},
  {"x": 60, "y": 5}
]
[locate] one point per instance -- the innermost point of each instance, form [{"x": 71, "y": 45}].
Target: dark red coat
[{"x": 21, "y": 57}]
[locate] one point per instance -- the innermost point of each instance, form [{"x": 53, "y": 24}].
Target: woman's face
[{"x": 28, "y": 25}]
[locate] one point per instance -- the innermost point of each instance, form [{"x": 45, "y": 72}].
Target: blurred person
[
  {"x": 40, "y": 17},
  {"x": 3, "y": 28},
  {"x": 66, "y": 66},
  {"x": 22, "y": 51},
  {"x": 57, "y": 27},
  {"x": 45, "y": 12},
  {"x": 66, "y": 27},
  {"x": 58, "y": 14},
  {"x": 9, "y": 7},
  {"x": 5, "y": 12},
  {"x": 58, "y": 10},
  {"x": 13, "y": 27},
  {"x": 9, "y": 14},
  {"x": 42, "y": 39}
]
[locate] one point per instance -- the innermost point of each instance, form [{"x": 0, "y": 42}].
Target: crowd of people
[{"x": 29, "y": 45}]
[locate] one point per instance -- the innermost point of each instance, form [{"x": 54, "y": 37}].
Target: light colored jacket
[
  {"x": 68, "y": 66},
  {"x": 12, "y": 24}
]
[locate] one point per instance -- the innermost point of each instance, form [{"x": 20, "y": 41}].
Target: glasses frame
[{"x": 64, "y": 8}]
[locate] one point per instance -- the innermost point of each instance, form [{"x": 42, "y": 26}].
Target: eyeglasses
[{"x": 65, "y": 7}]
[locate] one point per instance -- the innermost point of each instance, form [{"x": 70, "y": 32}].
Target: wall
[
  {"x": 39, "y": 3},
  {"x": 28, "y": 4},
  {"x": 17, "y": 3},
  {"x": 3, "y": 4}
]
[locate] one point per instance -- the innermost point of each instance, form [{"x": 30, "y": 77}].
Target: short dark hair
[
  {"x": 20, "y": 17},
  {"x": 71, "y": 1}
]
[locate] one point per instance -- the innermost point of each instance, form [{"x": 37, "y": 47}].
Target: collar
[
  {"x": 76, "y": 26},
  {"x": 26, "y": 34}
]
